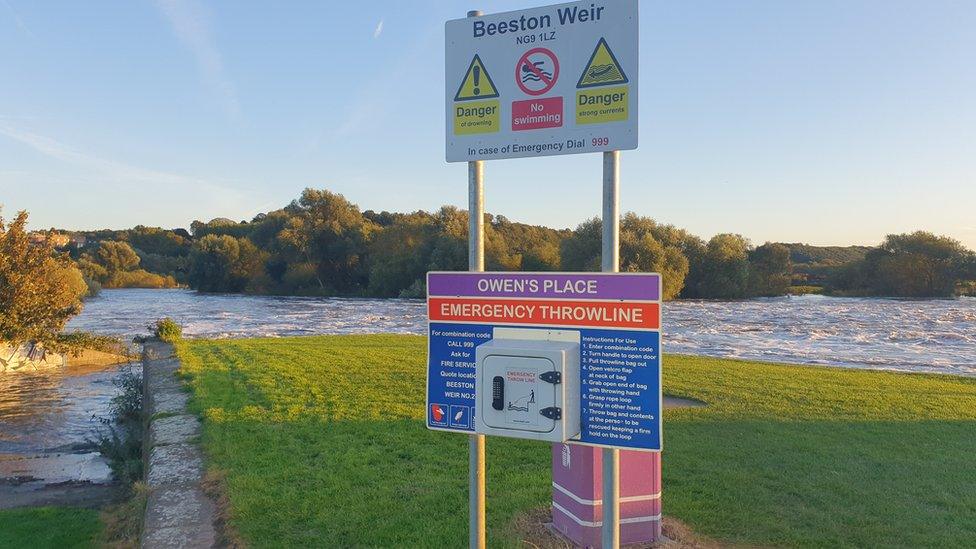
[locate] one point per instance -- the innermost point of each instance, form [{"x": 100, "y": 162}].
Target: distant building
[
  {"x": 78, "y": 240},
  {"x": 60, "y": 240}
]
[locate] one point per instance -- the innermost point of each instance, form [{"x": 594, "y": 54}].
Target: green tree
[
  {"x": 770, "y": 270},
  {"x": 329, "y": 232},
  {"x": 400, "y": 255},
  {"x": 918, "y": 264},
  {"x": 227, "y": 264},
  {"x": 529, "y": 247},
  {"x": 723, "y": 272},
  {"x": 641, "y": 250},
  {"x": 154, "y": 240},
  {"x": 581, "y": 250},
  {"x": 116, "y": 257},
  {"x": 40, "y": 289}
]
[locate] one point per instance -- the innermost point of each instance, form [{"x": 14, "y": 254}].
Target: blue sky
[{"x": 830, "y": 122}]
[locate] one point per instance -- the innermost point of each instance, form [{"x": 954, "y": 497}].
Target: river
[
  {"x": 937, "y": 336},
  {"x": 46, "y": 417}
]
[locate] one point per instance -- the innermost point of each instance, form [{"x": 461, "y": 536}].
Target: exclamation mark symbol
[{"x": 477, "y": 80}]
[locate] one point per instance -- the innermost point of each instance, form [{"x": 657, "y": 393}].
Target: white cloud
[
  {"x": 17, "y": 20},
  {"x": 191, "y": 27},
  {"x": 379, "y": 29},
  {"x": 121, "y": 172},
  {"x": 373, "y": 101}
]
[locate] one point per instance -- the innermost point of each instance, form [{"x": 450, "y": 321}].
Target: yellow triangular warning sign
[
  {"x": 476, "y": 83},
  {"x": 603, "y": 68}
]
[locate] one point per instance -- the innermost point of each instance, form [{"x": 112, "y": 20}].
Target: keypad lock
[{"x": 498, "y": 393}]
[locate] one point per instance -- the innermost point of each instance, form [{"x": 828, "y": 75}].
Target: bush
[
  {"x": 121, "y": 441},
  {"x": 94, "y": 286},
  {"x": 40, "y": 289},
  {"x": 805, "y": 290},
  {"x": 167, "y": 330},
  {"x": 967, "y": 288},
  {"x": 918, "y": 264},
  {"x": 140, "y": 278},
  {"x": 78, "y": 341}
]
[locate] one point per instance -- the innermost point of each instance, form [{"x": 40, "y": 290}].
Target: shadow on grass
[
  {"x": 368, "y": 483},
  {"x": 308, "y": 482}
]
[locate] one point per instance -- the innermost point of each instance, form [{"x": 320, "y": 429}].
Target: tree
[
  {"x": 156, "y": 241},
  {"x": 40, "y": 289},
  {"x": 529, "y": 247},
  {"x": 918, "y": 264},
  {"x": 450, "y": 242},
  {"x": 581, "y": 251},
  {"x": 400, "y": 254},
  {"x": 770, "y": 270},
  {"x": 329, "y": 232},
  {"x": 116, "y": 257},
  {"x": 226, "y": 264},
  {"x": 724, "y": 268},
  {"x": 640, "y": 250}
]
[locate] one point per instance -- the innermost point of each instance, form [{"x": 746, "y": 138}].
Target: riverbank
[{"x": 320, "y": 441}]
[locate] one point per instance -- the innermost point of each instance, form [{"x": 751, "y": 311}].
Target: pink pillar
[{"x": 577, "y": 493}]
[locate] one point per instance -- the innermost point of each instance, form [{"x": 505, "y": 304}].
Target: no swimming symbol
[{"x": 536, "y": 71}]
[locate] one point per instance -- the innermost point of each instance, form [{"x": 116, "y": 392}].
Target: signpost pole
[
  {"x": 611, "y": 264},
  {"x": 476, "y": 262},
  {"x": 476, "y": 443}
]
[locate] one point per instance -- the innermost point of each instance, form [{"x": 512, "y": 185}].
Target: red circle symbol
[{"x": 537, "y": 71}]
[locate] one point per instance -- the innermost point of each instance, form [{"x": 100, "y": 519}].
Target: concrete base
[{"x": 178, "y": 512}]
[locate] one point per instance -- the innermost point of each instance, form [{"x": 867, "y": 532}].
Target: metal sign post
[
  {"x": 611, "y": 264},
  {"x": 543, "y": 81},
  {"x": 476, "y": 263}
]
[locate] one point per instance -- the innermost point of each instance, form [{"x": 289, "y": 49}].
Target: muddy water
[
  {"x": 935, "y": 335},
  {"x": 47, "y": 422}
]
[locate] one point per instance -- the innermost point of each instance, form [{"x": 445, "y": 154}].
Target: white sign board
[{"x": 554, "y": 80}]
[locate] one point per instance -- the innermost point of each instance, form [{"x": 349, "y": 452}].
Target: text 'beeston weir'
[
  {"x": 564, "y": 16},
  {"x": 594, "y": 313}
]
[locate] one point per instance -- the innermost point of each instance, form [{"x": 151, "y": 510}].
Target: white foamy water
[
  {"x": 936, "y": 336},
  {"x": 907, "y": 335},
  {"x": 45, "y": 414}
]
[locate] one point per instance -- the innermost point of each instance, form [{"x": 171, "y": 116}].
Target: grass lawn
[
  {"x": 323, "y": 443},
  {"x": 54, "y": 527}
]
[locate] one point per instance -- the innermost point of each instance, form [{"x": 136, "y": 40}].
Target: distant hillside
[{"x": 825, "y": 255}]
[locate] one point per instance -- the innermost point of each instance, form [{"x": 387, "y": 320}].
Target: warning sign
[
  {"x": 603, "y": 69},
  {"x": 564, "y": 79},
  {"x": 477, "y": 117},
  {"x": 477, "y": 83},
  {"x": 602, "y": 105},
  {"x": 535, "y": 114},
  {"x": 537, "y": 71}
]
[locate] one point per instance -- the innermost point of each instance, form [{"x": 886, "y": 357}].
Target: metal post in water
[{"x": 611, "y": 264}]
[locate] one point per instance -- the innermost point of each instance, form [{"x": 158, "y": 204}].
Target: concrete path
[{"x": 178, "y": 514}]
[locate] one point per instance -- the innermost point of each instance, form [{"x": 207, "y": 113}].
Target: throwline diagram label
[{"x": 574, "y": 89}]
